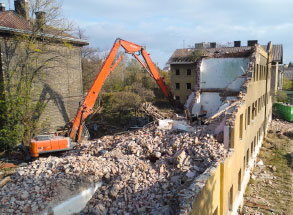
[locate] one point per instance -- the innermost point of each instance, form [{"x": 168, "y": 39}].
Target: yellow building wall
[
  {"x": 208, "y": 200},
  {"x": 182, "y": 79},
  {"x": 258, "y": 98}
]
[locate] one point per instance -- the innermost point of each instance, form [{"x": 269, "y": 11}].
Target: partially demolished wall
[{"x": 241, "y": 125}]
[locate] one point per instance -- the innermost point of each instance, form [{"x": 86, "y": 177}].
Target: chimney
[
  {"x": 237, "y": 43},
  {"x": 213, "y": 45},
  {"x": 21, "y": 8},
  {"x": 41, "y": 20},
  {"x": 201, "y": 45},
  {"x": 251, "y": 42},
  {"x": 2, "y": 7}
]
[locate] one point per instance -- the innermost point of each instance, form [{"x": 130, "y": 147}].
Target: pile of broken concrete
[{"x": 142, "y": 172}]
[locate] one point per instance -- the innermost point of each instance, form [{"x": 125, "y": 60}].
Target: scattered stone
[
  {"x": 260, "y": 163},
  {"x": 24, "y": 195},
  {"x": 143, "y": 172}
]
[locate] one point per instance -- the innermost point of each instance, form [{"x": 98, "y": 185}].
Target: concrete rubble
[{"x": 143, "y": 172}]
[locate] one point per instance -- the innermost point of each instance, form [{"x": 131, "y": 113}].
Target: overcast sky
[{"x": 163, "y": 26}]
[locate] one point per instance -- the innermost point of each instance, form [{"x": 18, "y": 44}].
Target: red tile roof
[
  {"x": 15, "y": 22},
  {"x": 10, "y": 19},
  {"x": 185, "y": 55}
]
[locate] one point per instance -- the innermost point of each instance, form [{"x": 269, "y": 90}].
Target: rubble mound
[{"x": 142, "y": 172}]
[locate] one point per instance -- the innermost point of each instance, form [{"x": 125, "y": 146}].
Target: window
[
  {"x": 252, "y": 111},
  {"x": 260, "y": 73},
  {"x": 188, "y": 72},
  {"x": 258, "y": 104},
  {"x": 247, "y": 157},
  {"x": 253, "y": 75},
  {"x": 241, "y": 127},
  {"x": 177, "y": 86},
  {"x": 255, "y": 106},
  {"x": 251, "y": 149},
  {"x": 177, "y": 98},
  {"x": 257, "y": 72},
  {"x": 239, "y": 180},
  {"x": 188, "y": 86},
  {"x": 230, "y": 198},
  {"x": 245, "y": 119},
  {"x": 177, "y": 72},
  {"x": 248, "y": 116},
  {"x": 244, "y": 162}
]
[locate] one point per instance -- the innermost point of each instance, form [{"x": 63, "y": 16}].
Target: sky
[{"x": 163, "y": 26}]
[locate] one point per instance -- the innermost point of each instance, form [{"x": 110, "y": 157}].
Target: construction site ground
[
  {"x": 144, "y": 171},
  {"x": 270, "y": 187}
]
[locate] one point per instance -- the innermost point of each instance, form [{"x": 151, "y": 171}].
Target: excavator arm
[{"x": 89, "y": 101}]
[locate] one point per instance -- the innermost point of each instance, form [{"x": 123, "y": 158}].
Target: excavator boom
[
  {"x": 85, "y": 109},
  {"x": 91, "y": 97}
]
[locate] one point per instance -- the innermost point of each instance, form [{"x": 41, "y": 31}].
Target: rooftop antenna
[{"x": 9, "y": 4}]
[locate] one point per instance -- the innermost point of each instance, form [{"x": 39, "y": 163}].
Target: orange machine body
[
  {"x": 50, "y": 143},
  {"x": 60, "y": 143}
]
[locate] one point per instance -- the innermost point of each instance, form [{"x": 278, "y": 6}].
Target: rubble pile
[
  {"x": 150, "y": 110},
  {"x": 142, "y": 172},
  {"x": 280, "y": 126}
]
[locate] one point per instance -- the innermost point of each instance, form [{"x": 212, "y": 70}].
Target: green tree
[
  {"x": 287, "y": 84},
  {"x": 282, "y": 96}
]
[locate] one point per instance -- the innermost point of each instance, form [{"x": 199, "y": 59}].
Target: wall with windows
[
  {"x": 183, "y": 80},
  {"x": 225, "y": 187}
]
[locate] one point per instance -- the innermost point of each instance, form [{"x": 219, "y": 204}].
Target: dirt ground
[{"x": 270, "y": 187}]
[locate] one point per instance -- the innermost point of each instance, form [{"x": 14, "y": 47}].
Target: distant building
[
  {"x": 60, "y": 84},
  {"x": 277, "y": 61}
]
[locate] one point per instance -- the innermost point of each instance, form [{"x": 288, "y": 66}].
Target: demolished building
[
  {"x": 190, "y": 66},
  {"x": 178, "y": 169},
  {"x": 232, "y": 92}
]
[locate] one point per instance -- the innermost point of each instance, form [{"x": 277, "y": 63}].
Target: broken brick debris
[{"x": 142, "y": 172}]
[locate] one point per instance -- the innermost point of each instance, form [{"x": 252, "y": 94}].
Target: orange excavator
[{"x": 54, "y": 142}]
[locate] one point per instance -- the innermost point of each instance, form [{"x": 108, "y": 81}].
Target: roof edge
[{"x": 70, "y": 39}]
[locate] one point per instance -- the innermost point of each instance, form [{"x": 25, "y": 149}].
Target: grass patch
[{"x": 276, "y": 190}]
